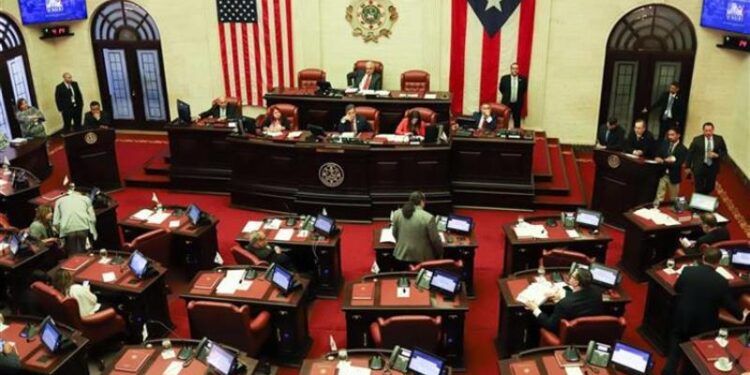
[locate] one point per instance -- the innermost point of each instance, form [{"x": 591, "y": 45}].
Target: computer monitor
[
  {"x": 588, "y": 218},
  {"x": 460, "y": 224},
  {"x": 740, "y": 257},
  {"x": 193, "y": 213},
  {"x": 14, "y": 243},
  {"x": 631, "y": 358},
  {"x": 605, "y": 276},
  {"x": 138, "y": 264},
  {"x": 51, "y": 336},
  {"x": 317, "y": 131},
  {"x": 423, "y": 363},
  {"x": 445, "y": 282},
  {"x": 702, "y": 202},
  {"x": 432, "y": 132},
  {"x": 325, "y": 225},
  {"x": 282, "y": 278},
  {"x": 220, "y": 359},
  {"x": 183, "y": 112}
]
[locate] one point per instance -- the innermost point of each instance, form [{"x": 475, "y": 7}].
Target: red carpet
[{"x": 325, "y": 316}]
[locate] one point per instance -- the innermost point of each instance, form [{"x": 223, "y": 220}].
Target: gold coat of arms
[{"x": 371, "y": 19}]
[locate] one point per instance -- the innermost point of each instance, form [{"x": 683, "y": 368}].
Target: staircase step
[
  {"x": 576, "y": 198},
  {"x": 542, "y": 167},
  {"x": 141, "y": 179},
  {"x": 156, "y": 166},
  {"x": 559, "y": 184}
]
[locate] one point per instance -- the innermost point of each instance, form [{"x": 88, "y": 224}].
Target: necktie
[
  {"x": 367, "y": 82},
  {"x": 671, "y": 148},
  {"x": 709, "y": 148},
  {"x": 72, "y": 93},
  {"x": 606, "y": 136},
  {"x": 668, "y": 110},
  {"x": 222, "y": 112},
  {"x": 513, "y": 89},
  {"x": 481, "y": 123}
]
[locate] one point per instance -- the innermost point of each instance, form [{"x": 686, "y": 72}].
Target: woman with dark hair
[
  {"x": 416, "y": 233},
  {"x": 41, "y": 227},
  {"x": 30, "y": 119},
  {"x": 412, "y": 124},
  {"x": 276, "y": 122}
]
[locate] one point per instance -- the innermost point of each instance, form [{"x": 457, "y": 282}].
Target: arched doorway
[
  {"x": 127, "y": 50},
  {"x": 15, "y": 76},
  {"x": 648, "y": 48}
]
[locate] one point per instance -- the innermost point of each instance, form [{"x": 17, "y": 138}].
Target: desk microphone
[{"x": 166, "y": 327}]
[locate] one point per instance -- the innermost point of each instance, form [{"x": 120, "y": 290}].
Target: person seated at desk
[
  {"x": 610, "y": 136},
  {"x": 352, "y": 122},
  {"x": 95, "y": 117},
  {"x": 640, "y": 141},
  {"x": 30, "y": 119},
  {"x": 581, "y": 300},
  {"x": 275, "y": 123},
  {"x": 368, "y": 79},
  {"x": 62, "y": 281},
  {"x": 484, "y": 119},
  {"x": 712, "y": 233},
  {"x": 258, "y": 245},
  {"x": 412, "y": 125},
  {"x": 671, "y": 154},
  {"x": 221, "y": 110},
  {"x": 10, "y": 363},
  {"x": 415, "y": 231},
  {"x": 41, "y": 228}
]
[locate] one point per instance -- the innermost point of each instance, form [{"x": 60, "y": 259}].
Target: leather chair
[
  {"x": 372, "y": 115},
  {"x": 236, "y": 329},
  {"x": 602, "y": 328},
  {"x": 415, "y": 81},
  {"x": 289, "y": 110},
  {"x": 502, "y": 111},
  {"x": 155, "y": 245},
  {"x": 360, "y": 65},
  {"x": 429, "y": 116},
  {"x": 563, "y": 258},
  {"x": 230, "y": 101},
  {"x": 245, "y": 257},
  {"x": 308, "y": 78},
  {"x": 719, "y": 245},
  {"x": 97, "y": 327},
  {"x": 408, "y": 331},
  {"x": 728, "y": 319},
  {"x": 450, "y": 265}
]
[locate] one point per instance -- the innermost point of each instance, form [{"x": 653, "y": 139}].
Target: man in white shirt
[
  {"x": 513, "y": 89},
  {"x": 368, "y": 79},
  {"x": 704, "y": 157}
]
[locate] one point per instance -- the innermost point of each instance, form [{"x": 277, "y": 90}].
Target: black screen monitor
[
  {"x": 193, "y": 213},
  {"x": 445, "y": 282},
  {"x": 589, "y": 218},
  {"x": 740, "y": 257},
  {"x": 630, "y": 358},
  {"x": 317, "y": 131},
  {"x": 460, "y": 224},
  {"x": 183, "y": 112},
  {"x": 220, "y": 359},
  {"x": 51, "y": 336},
  {"x": 282, "y": 278},
  {"x": 325, "y": 225},
  {"x": 605, "y": 276},
  {"x": 423, "y": 363},
  {"x": 138, "y": 264},
  {"x": 702, "y": 202},
  {"x": 323, "y": 86}
]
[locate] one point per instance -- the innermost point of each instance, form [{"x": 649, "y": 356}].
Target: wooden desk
[
  {"x": 16, "y": 271},
  {"x": 647, "y": 243},
  {"x": 358, "y": 357},
  {"x": 31, "y": 156},
  {"x": 544, "y": 359},
  {"x": 312, "y": 254},
  {"x": 291, "y": 337},
  {"x": 30, "y": 353},
  {"x": 698, "y": 362},
  {"x": 523, "y": 253},
  {"x": 460, "y": 247},
  {"x": 15, "y": 202},
  {"x": 192, "y": 247},
  {"x": 200, "y": 158},
  {"x": 661, "y": 301},
  {"x": 384, "y": 303},
  {"x": 517, "y": 328},
  {"x": 156, "y": 364},
  {"x": 92, "y": 158},
  {"x": 106, "y": 217}
]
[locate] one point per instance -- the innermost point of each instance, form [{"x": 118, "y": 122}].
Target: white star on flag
[{"x": 494, "y": 4}]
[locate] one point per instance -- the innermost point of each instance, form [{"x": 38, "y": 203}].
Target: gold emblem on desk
[
  {"x": 371, "y": 19},
  {"x": 331, "y": 175},
  {"x": 90, "y": 138},
  {"x": 613, "y": 161}
]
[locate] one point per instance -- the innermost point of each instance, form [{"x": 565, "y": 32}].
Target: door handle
[{"x": 132, "y": 93}]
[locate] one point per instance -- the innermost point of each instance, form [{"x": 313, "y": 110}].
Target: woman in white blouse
[{"x": 87, "y": 302}]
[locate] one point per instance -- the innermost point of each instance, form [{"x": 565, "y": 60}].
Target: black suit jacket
[
  {"x": 63, "y": 97},
  {"x": 505, "y": 88},
  {"x": 702, "y": 291},
  {"x": 697, "y": 152},
  {"x": 488, "y": 125},
  {"x": 673, "y": 169},
  {"x": 376, "y": 82},
  {"x": 585, "y": 302},
  {"x": 346, "y": 126},
  {"x": 215, "y": 111},
  {"x": 645, "y": 144},
  {"x": 616, "y": 137},
  {"x": 678, "y": 106},
  {"x": 717, "y": 235},
  {"x": 90, "y": 122}
]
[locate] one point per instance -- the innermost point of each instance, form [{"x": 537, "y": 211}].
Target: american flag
[
  {"x": 487, "y": 36},
  {"x": 255, "y": 38}
]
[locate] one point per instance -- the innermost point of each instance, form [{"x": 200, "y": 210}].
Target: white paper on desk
[
  {"x": 294, "y": 134},
  {"x": 720, "y": 218},
  {"x": 367, "y": 92},
  {"x": 527, "y": 230},
  {"x": 235, "y": 275},
  {"x": 430, "y": 96},
  {"x": 303, "y": 233},
  {"x": 105, "y": 260},
  {"x": 252, "y": 226},
  {"x": 386, "y": 236},
  {"x": 669, "y": 271},
  {"x": 174, "y": 224},
  {"x": 143, "y": 214},
  {"x": 403, "y": 292},
  {"x": 273, "y": 224},
  {"x": 109, "y": 277},
  {"x": 274, "y": 134},
  {"x": 723, "y": 272},
  {"x": 227, "y": 286},
  {"x": 646, "y": 213},
  {"x": 168, "y": 354},
  {"x": 573, "y": 370},
  {"x": 159, "y": 217},
  {"x": 442, "y": 237},
  {"x": 686, "y": 242},
  {"x": 572, "y": 233},
  {"x": 245, "y": 285},
  {"x": 535, "y": 292},
  {"x": 351, "y": 90},
  {"x": 284, "y": 234},
  {"x": 348, "y": 135},
  {"x": 174, "y": 368},
  {"x": 346, "y": 368}
]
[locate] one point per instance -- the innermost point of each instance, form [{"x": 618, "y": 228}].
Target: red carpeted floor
[{"x": 325, "y": 316}]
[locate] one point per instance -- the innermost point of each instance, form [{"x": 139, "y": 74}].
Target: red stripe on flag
[
  {"x": 224, "y": 67},
  {"x": 267, "y": 44},
  {"x": 289, "y": 39},
  {"x": 236, "y": 62},
  {"x": 490, "y": 67},
  {"x": 246, "y": 57},
  {"x": 279, "y": 43},
  {"x": 258, "y": 76},
  {"x": 458, "y": 47},
  {"x": 525, "y": 41}
]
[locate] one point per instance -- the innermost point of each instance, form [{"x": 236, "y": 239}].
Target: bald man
[
  {"x": 69, "y": 103},
  {"x": 368, "y": 79},
  {"x": 222, "y": 110}
]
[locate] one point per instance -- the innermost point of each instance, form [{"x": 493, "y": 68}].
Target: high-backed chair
[
  {"x": 308, "y": 78},
  {"x": 728, "y": 319},
  {"x": 429, "y": 116},
  {"x": 360, "y": 65},
  {"x": 97, "y": 327},
  {"x": 415, "y": 81},
  {"x": 372, "y": 115},
  {"x": 450, "y": 265},
  {"x": 230, "y": 101},
  {"x": 289, "y": 110},
  {"x": 155, "y": 244},
  {"x": 500, "y": 110},
  {"x": 563, "y": 258},
  {"x": 718, "y": 245},
  {"x": 236, "y": 327},
  {"x": 245, "y": 257},
  {"x": 407, "y": 330},
  {"x": 601, "y": 328}
]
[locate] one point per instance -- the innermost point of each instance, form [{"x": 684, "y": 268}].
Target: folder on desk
[
  {"x": 74, "y": 263},
  {"x": 363, "y": 291},
  {"x": 710, "y": 349},
  {"x": 323, "y": 368},
  {"x": 208, "y": 281},
  {"x": 133, "y": 359},
  {"x": 524, "y": 368}
]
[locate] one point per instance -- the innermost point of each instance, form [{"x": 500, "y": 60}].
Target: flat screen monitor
[
  {"x": 51, "y": 336},
  {"x": 193, "y": 213},
  {"x": 727, "y": 15},
  {"x": 14, "y": 244},
  {"x": 702, "y": 202},
  {"x": 48, "y": 11},
  {"x": 138, "y": 264},
  {"x": 220, "y": 359},
  {"x": 282, "y": 278},
  {"x": 740, "y": 257},
  {"x": 588, "y": 218},
  {"x": 183, "y": 112},
  {"x": 604, "y": 276},
  {"x": 324, "y": 225},
  {"x": 423, "y": 363},
  {"x": 445, "y": 282},
  {"x": 460, "y": 224},
  {"x": 631, "y": 358}
]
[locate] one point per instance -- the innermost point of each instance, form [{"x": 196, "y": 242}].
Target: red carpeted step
[
  {"x": 157, "y": 166},
  {"x": 559, "y": 184},
  {"x": 542, "y": 165},
  {"x": 141, "y": 179},
  {"x": 576, "y": 197}
]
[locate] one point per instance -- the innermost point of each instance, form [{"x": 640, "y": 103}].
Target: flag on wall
[
  {"x": 484, "y": 43},
  {"x": 255, "y": 38}
]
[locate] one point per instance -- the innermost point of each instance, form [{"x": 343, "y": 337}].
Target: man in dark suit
[
  {"x": 582, "y": 300},
  {"x": 352, "y": 122},
  {"x": 368, "y": 79},
  {"x": 485, "y": 119},
  {"x": 221, "y": 109},
  {"x": 672, "y": 110},
  {"x": 610, "y": 136},
  {"x": 703, "y": 159},
  {"x": 69, "y": 102},
  {"x": 702, "y": 291},
  {"x": 672, "y": 154},
  {"x": 513, "y": 89},
  {"x": 640, "y": 141},
  {"x": 712, "y": 233}
]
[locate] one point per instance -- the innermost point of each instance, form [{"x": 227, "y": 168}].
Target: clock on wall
[{"x": 55, "y": 32}]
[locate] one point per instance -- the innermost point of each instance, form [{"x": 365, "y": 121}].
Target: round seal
[
  {"x": 90, "y": 138},
  {"x": 331, "y": 174},
  {"x": 613, "y": 161},
  {"x": 371, "y": 19}
]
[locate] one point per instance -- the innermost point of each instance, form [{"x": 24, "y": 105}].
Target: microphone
[{"x": 166, "y": 327}]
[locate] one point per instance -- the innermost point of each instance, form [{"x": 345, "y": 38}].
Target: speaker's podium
[
  {"x": 92, "y": 158},
  {"x": 622, "y": 182}
]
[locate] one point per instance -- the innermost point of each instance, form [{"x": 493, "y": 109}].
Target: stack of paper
[
  {"x": 430, "y": 96},
  {"x": 655, "y": 215},
  {"x": 346, "y": 368},
  {"x": 273, "y": 224},
  {"x": 526, "y": 230},
  {"x": 158, "y": 218},
  {"x": 284, "y": 234},
  {"x": 294, "y": 134},
  {"x": 252, "y": 226},
  {"x": 386, "y": 236},
  {"x": 231, "y": 282},
  {"x": 535, "y": 293},
  {"x": 348, "y": 135},
  {"x": 143, "y": 214}
]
